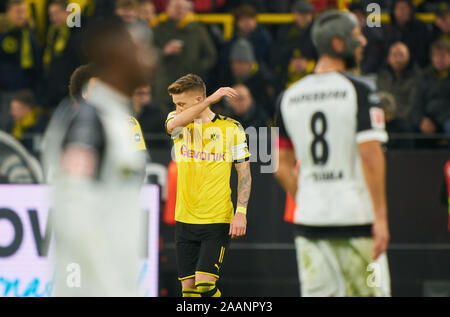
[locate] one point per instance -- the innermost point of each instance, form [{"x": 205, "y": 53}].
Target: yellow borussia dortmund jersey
[
  {"x": 136, "y": 134},
  {"x": 204, "y": 154}
]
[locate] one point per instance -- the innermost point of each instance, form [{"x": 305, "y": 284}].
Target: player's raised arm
[{"x": 186, "y": 116}]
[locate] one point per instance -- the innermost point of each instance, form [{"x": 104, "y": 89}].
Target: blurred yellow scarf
[{"x": 21, "y": 126}]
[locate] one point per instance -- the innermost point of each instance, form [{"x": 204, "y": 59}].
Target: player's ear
[{"x": 337, "y": 44}]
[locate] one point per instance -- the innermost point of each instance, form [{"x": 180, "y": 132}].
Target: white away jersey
[{"x": 326, "y": 116}]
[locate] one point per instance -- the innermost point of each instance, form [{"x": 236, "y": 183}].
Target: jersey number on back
[{"x": 319, "y": 146}]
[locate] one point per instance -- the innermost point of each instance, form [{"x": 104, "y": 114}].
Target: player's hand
[
  {"x": 380, "y": 232},
  {"x": 173, "y": 47},
  {"x": 220, "y": 93},
  {"x": 238, "y": 226}
]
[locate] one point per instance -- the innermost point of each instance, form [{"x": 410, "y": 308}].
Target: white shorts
[{"x": 341, "y": 267}]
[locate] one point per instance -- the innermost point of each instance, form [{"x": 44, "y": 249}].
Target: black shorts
[{"x": 200, "y": 248}]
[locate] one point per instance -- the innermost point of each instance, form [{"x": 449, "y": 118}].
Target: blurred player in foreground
[
  {"x": 205, "y": 146},
  {"x": 332, "y": 122},
  {"x": 83, "y": 79},
  {"x": 99, "y": 173}
]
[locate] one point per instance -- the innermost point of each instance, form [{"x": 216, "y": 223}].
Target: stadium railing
[{"x": 227, "y": 19}]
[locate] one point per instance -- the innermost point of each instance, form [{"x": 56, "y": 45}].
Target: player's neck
[
  {"x": 328, "y": 64},
  {"x": 206, "y": 116}
]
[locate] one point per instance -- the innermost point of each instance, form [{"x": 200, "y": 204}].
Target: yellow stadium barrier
[{"x": 227, "y": 20}]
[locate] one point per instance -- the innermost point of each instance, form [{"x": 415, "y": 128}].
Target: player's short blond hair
[{"x": 187, "y": 83}]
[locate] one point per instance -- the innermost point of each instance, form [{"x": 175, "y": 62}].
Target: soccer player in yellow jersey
[{"x": 206, "y": 145}]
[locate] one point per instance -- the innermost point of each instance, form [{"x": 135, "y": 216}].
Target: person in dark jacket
[
  {"x": 247, "y": 27},
  {"x": 296, "y": 35},
  {"x": 148, "y": 112},
  {"x": 431, "y": 112},
  {"x": 399, "y": 78},
  {"x": 406, "y": 28},
  {"x": 19, "y": 56},
  {"x": 441, "y": 26},
  {"x": 244, "y": 109},
  {"x": 29, "y": 121},
  {"x": 185, "y": 47},
  {"x": 61, "y": 56},
  {"x": 374, "y": 52},
  {"x": 244, "y": 69},
  {"x": 397, "y": 128},
  {"x": 298, "y": 67}
]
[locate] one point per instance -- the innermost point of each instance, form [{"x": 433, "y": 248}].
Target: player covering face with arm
[
  {"x": 191, "y": 105},
  {"x": 205, "y": 146}
]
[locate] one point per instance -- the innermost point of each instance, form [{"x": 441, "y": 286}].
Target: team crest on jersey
[
  {"x": 377, "y": 117},
  {"x": 214, "y": 137}
]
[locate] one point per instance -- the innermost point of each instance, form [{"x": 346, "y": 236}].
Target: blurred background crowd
[{"x": 259, "y": 47}]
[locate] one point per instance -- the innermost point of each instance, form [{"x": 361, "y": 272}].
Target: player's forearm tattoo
[{"x": 244, "y": 183}]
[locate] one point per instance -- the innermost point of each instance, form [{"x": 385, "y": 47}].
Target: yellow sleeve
[
  {"x": 170, "y": 116},
  {"x": 239, "y": 148},
  {"x": 136, "y": 134}
]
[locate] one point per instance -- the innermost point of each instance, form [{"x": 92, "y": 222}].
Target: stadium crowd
[{"x": 407, "y": 59}]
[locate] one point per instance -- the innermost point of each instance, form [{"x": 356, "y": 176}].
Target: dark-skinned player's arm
[
  {"x": 187, "y": 116},
  {"x": 374, "y": 168},
  {"x": 238, "y": 226},
  {"x": 83, "y": 145},
  {"x": 287, "y": 173}
]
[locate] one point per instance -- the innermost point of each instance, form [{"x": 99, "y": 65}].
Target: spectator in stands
[
  {"x": 395, "y": 126},
  {"x": 406, "y": 28},
  {"x": 247, "y": 27},
  {"x": 19, "y": 55},
  {"x": 299, "y": 66},
  {"x": 185, "y": 46},
  {"x": 441, "y": 26},
  {"x": 103, "y": 8},
  {"x": 431, "y": 112},
  {"x": 201, "y": 6},
  {"x": 296, "y": 35},
  {"x": 244, "y": 109},
  {"x": 374, "y": 52},
  {"x": 128, "y": 11},
  {"x": 244, "y": 69},
  {"x": 147, "y": 111},
  {"x": 147, "y": 13},
  {"x": 62, "y": 55},
  {"x": 28, "y": 118},
  {"x": 399, "y": 78}
]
